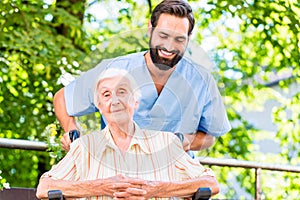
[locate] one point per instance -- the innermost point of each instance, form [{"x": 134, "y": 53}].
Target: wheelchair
[{"x": 201, "y": 194}]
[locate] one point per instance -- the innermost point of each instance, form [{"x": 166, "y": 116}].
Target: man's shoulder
[
  {"x": 133, "y": 55},
  {"x": 128, "y": 57},
  {"x": 127, "y": 62},
  {"x": 192, "y": 65},
  {"x": 193, "y": 71}
]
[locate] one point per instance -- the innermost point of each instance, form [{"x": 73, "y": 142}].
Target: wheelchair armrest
[
  {"x": 55, "y": 195},
  {"x": 202, "y": 194}
]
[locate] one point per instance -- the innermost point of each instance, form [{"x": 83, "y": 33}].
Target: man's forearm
[
  {"x": 67, "y": 122},
  {"x": 198, "y": 141}
]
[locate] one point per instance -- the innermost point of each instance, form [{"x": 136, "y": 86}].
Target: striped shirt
[{"x": 152, "y": 155}]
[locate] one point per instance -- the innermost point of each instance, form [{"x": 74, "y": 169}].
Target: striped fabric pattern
[{"x": 152, "y": 155}]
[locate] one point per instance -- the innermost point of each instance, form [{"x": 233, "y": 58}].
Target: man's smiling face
[{"x": 168, "y": 41}]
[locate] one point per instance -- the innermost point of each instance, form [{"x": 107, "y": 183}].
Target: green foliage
[
  {"x": 34, "y": 52},
  {"x": 52, "y": 137},
  {"x": 253, "y": 41},
  {"x": 288, "y": 119},
  {"x": 256, "y": 40},
  {"x": 3, "y": 182}
]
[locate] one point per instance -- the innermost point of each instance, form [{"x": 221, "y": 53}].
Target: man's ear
[{"x": 149, "y": 28}]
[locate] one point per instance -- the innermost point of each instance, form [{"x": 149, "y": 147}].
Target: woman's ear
[
  {"x": 136, "y": 105},
  {"x": 100, "y": 111}
]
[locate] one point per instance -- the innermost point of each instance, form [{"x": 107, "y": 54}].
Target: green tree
[
  {"x": 38, "y": 43},
  {"x": 253, "y": 40}
]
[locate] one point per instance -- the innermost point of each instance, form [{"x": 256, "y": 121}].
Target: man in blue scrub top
[{"x": 178, "y": 95}]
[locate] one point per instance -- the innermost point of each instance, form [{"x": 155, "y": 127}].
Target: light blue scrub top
[{"x": 190, "y": 100}]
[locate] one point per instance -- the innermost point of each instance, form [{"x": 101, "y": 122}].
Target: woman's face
[{"x": 116, "y": 100}]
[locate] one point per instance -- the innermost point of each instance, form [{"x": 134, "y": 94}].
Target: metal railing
[
  {"x": 22, "y": 144},
  {"x": 250, "y": 165},
  {"x": 42, "y": 146}
]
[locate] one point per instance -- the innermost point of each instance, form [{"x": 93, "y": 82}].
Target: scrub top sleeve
[
  {"x": 79, "y": 94},
  {"x": 214, "y": 120},
  {"x": 68, "y": 94}
]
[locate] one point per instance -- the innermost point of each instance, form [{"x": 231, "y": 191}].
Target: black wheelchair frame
[{"x": 201, "y": 194}]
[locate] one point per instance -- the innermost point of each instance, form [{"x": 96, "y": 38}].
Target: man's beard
[{"x": 164, "y": 63}]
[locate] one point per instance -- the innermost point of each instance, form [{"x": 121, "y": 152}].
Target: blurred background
[{"x": 250, "y": 46}]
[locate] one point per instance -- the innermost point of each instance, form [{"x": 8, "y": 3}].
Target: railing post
[{"x": 257, "y": 184}]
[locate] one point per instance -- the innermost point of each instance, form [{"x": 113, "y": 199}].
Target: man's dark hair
[{"x": 178, "y": 8}]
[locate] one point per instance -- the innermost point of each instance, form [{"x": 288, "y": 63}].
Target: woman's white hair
[{"x": 113, "y": 72}]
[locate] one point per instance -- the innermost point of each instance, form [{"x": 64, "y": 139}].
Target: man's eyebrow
[
  {"x": 181, "y": 37},
  {"x": 164, "y": 33},
  {"x": 176, "y": 37}
]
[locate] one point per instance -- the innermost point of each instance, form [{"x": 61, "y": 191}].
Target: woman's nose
[{"x": 114, "y": 99}]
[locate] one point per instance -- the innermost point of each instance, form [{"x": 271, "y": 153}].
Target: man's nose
[{"x": 169, "y": 45}]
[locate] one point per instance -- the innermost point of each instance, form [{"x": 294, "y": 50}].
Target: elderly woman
[{"x": 123, "y": 161}]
